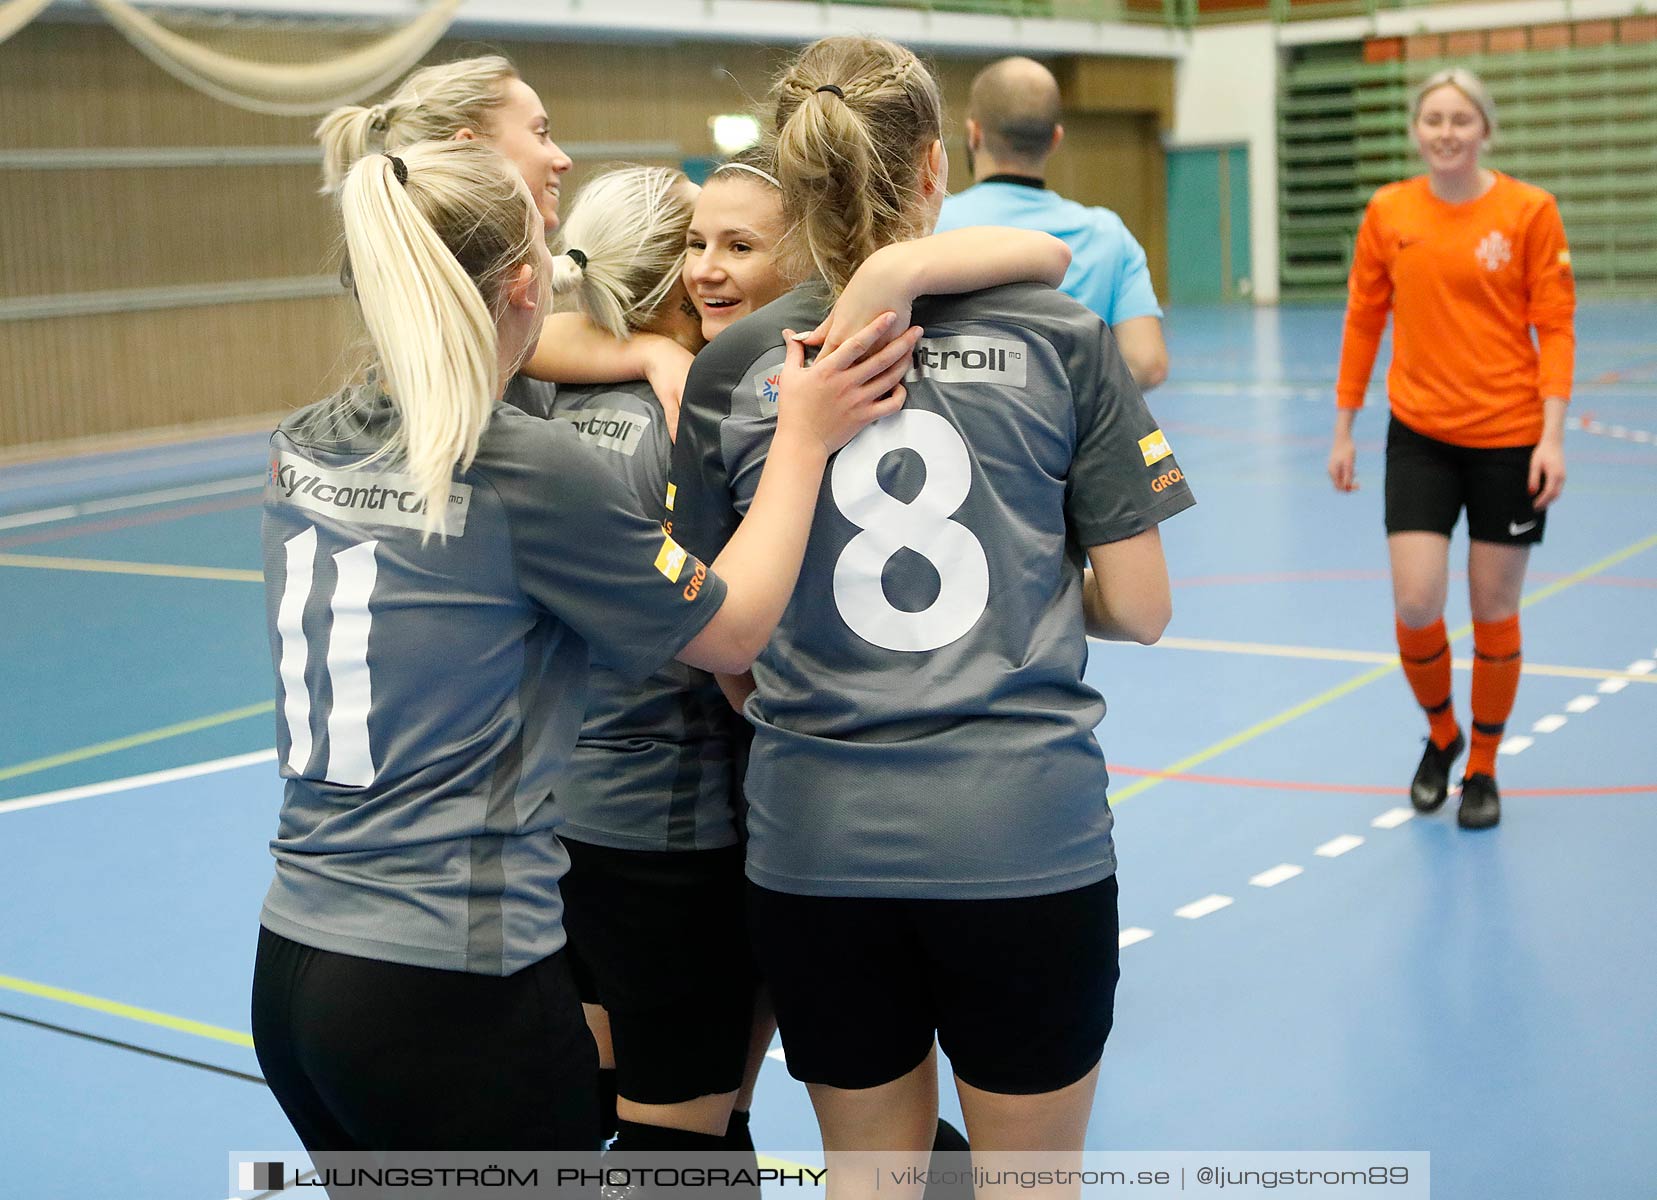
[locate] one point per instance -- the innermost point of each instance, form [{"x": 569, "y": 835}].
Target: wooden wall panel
[
  {"x": 92, "y": 230},
  {"x": 70, "y": 231},
  {"x": 76, "y": 377}
]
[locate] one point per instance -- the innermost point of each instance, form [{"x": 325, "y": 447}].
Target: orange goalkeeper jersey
[{"x": 1465, "y": 284}]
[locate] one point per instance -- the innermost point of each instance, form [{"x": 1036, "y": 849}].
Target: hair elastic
[
  {"x": 742, "y": 166},
  {"x": 578, "y": 257},
  {"x": 399, "y": 168},
  {"x": 829, "y": 87},
  {"x": 378, "y": 119}
]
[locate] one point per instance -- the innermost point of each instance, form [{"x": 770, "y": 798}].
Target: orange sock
[
  {"x": 1426, "y": 656},
  {"x": 1496, "y": 663}
]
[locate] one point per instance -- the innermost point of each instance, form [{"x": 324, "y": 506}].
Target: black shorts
[
  {"x": 1020, "y": 993},
  {"x": 661, "y": 936},
  {"x": 364, "y": 1055},
  {"x": 1429, "y": 482}
]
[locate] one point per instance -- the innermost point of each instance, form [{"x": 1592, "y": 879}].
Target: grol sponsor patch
[
  {"x": 1154, "y": 446},
  {"x": 670, "y": 560}
]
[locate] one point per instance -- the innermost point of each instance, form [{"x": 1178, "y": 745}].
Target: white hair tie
[{"x": 741, "y": 166}]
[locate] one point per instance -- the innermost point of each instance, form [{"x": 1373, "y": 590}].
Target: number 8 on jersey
[{"x": 923, "y": 525}]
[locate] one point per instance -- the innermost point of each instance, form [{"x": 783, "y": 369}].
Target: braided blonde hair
[{"x": 854, "y": 119}]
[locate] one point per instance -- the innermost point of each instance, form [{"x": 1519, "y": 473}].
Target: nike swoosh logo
[
  {"x": 1406, "y": 243},
  {"x": 1514, "y": 529}
]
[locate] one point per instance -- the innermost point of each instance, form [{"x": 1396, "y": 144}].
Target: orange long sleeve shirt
[{"x": 1465, "y": 284}]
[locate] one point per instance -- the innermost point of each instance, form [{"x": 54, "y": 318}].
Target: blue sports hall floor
[{"x": 1305, "y": 965}]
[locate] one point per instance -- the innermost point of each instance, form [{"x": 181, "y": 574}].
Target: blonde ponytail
[
  {"x": 629, "y": 227},
  {"x": 854, "y": 118},
  {"x": 432, "y": 104},
  {"x": 433, "y": 236}
]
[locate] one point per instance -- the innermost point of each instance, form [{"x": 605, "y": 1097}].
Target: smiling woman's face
[
  {"x": 520, "y": 132},
  {"x": 731, "y": 264}
]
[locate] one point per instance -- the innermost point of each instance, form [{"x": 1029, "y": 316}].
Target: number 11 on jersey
[{"x": 350, "y": 759}]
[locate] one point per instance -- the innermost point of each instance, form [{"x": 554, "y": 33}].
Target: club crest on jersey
[
  {"x": 670, "y": 560},
  {"x": 968, "y": 360},
  {"x": 1494, "y": 252},
  {"x": 1154, "y": 446},
  {"x": 768, "y": 387}
]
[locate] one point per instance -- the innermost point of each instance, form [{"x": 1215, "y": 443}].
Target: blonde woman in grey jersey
[
  {"x": 654, "y": 901},
  {"x": 485, "y": 99},
  {"x": 930, "y": 851},
  {"x": 439, "y": 569}
]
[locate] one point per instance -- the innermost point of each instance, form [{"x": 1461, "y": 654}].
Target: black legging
[{"x": 367, "y": 1055}]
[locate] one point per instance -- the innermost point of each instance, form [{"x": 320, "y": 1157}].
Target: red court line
[
  {"x": 58, "y": 533},
  {"x": 1365, "y": 789}
]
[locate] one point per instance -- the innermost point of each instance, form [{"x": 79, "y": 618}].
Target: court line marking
[
  {"x": 86, "y": 791},
  {"x": 115, "y": 1008},
  {"x": 1330, "y": 654},
  {"x": 1363, "y": 789},
  {"x": 106, "y": 566},
  {"x": 136, "y": 1049},
  {"x": 87, "y": 508},
  {"x": 1330, "y": 695},
  {"x": 137, "y": 739}
]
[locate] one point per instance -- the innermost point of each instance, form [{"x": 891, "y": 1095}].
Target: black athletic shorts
[
  {"x": 661, "y": 935},
  {"x": 1429, "y": 482},
  {"x": 364, "y": 1055},
  {"x": 1020, "y": 993}
]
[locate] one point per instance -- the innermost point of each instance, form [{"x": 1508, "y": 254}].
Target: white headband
[{"x": 741, "y": 166}]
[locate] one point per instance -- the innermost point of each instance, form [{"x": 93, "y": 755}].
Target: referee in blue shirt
[{"x": 1012, "y": 130}]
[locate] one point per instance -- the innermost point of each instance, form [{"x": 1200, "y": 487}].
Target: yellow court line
[
  {"x": 137, "y": 739},
  {"x": 112, "y": 567},
  {"x": 1327, "y": 654},
  {"x": 1364, "y": 680},
  {"x": 131, "y": 1012}
]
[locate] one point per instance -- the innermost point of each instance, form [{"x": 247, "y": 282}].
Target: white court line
[
  {"x": 1392, "y": 818},
  {"x": 1201, "y": 908},
  {"x": 1130, "y": 936},
  {"x": 1582, "y": 704},
  {"x": 137, "y": 781},
  {"x": 1276, "y": 875},
  {"x": 1611, "y": 687},
  {"x": 63, "y": 512},
  {"x": 778, "y": 1055},
  {"x": 1642, "y": 666},
  {"x": 1335, "y": 847},
  {"x": 1548, "y": 723},
  {"x": 1516, "y": 745}
]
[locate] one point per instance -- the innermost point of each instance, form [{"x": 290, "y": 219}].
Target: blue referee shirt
[{"x": 1107, "y": 266}]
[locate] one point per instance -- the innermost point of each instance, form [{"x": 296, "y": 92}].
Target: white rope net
[{"x": 191, "y": 50}]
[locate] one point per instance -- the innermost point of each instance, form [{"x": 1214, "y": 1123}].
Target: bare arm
[
  {"x": 573, "y": 350},
  {"x": 962, "y": 260},
  {"x": 1125, "y": 592},
  {"x": 823, "y": 407},
  {"x": 1140, "y": 339}
]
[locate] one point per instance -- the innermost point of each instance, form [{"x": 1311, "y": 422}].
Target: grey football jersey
[
  {"x": 922, "y": 727},
  {"x": 429, "y": 690},
  {"x": 533, "y": 396},
  {"x": 653, "y": 767}
]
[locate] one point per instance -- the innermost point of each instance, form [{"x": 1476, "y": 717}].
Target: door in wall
[{"x": 1208, "y": 224}]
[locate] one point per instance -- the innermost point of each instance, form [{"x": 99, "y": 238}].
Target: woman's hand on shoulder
[
  {"x": 831, "y": 400},
  {"x": 666, "y": 366},
  {"x": 884, "y": 283}
]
